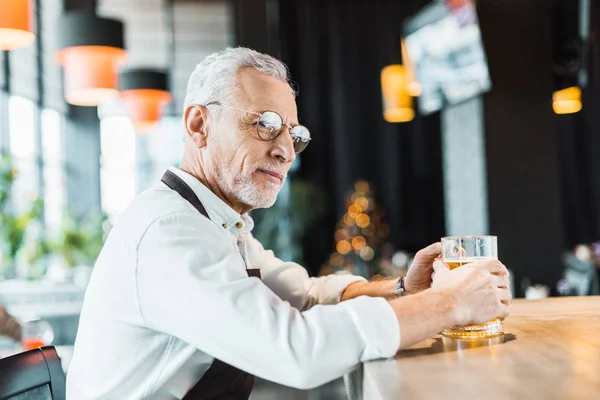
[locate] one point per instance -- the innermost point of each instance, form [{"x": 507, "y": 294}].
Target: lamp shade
[
  {"x": 16, "y": 24},
  {"x": 91, "y": 49},
  {"x": 397, "y": 102},
  {"x": 567, "y": 101},
  {"x": 144, "y": 92}
]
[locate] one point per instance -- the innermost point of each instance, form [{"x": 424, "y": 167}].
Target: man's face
[{"x": 249, "y": 170}]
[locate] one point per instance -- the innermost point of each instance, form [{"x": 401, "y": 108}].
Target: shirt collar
[{"x": 218, "y": 211}]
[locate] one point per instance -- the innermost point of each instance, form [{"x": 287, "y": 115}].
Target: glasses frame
[{"x": 260, "y": 114}]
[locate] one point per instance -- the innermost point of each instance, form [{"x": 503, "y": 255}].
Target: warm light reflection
[
  {"x": 343, "y": 247},
  {"x": 348, "y": 220},
  {"x": 359, "y": 242},
  {"x": 367, "y": 253},
  {"x": 361, "y": 187},
  {"x": 567, "y": 101},
  {"x": 362, "y": 202},
  {"x": 363, "y": 220},
  {"x": 397, "y": 102},
  {"x": 354, "y": 210}
]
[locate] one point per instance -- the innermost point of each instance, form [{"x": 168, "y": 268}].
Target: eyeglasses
[{"x": 270, "y": 124}]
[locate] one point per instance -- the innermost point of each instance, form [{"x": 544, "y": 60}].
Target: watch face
[{"x": 400, "y": 287}]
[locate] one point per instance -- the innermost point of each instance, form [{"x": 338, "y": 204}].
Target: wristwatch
[{"x": 400, "y": 290}]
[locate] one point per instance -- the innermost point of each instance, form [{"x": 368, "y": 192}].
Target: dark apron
[{"x": 221, "y": 381}]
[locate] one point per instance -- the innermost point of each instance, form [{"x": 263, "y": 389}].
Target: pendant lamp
[
  {"x": 91, "y": 49},
  {"x": 567, "y": 101},
  {"x": 144, "y": 92},
  {"x": 397, "y": 102},
  {"x": 16, "y": 24}
]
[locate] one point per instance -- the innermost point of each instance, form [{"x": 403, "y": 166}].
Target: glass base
[{"x": 487, "y": 330}]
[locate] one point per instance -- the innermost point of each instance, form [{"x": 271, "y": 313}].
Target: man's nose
[{"x": 283, "y": 147}]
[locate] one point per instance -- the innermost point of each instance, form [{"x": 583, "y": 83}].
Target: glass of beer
[{"x": 461, "y": 250}]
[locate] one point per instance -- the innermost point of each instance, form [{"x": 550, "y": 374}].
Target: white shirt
[{"x": 169, "y": 292}]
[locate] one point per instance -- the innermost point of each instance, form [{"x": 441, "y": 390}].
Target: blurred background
[{"x": 429, "y": 118}]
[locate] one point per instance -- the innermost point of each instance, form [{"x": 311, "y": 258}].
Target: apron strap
[
  {"x": 177, "y": 184},
  {"x": 221, "y": 381}
]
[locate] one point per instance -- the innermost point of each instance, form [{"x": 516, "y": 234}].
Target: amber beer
[
  {"x": 459, "y": 263},
  {"x": 462, "y": 250}
]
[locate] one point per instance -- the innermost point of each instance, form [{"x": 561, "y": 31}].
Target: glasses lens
[
  {"x": 269, "y": 125},
  {"x": 301, "y": 136}
]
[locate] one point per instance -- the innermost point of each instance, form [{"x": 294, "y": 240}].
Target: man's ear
[{"x": 196, "y": 124}]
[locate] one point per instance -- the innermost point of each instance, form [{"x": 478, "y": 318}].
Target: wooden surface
[{"x": 551, "y": 350}]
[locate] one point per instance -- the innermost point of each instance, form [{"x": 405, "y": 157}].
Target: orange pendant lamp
[
  {"x": 16, "y": 24},
  {"x": 144, "y": 92},
  {"x": 91, "y": 49},
  {"x": 397, "y": 102},
  {"x": 567, "y": 101}
]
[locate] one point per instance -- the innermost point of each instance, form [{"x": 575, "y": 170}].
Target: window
[
  {"x": 22, "y": 148},
  {"x": 54, "y": 172},
  {"x": 117, "y": 171}
]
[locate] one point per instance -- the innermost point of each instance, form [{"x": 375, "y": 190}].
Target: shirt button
[
  {"x": 239, "y": 225},
  {"x": 224, "y": 226}
]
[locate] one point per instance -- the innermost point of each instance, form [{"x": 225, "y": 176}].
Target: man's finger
[
  {"x": 432, "y": 251},
  {"x": 439, "y": 266},
  {"x": 493, "y": 267},
  {"x": 501, "y": 281}
]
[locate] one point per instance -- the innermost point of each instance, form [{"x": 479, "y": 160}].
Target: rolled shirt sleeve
[
  {"x": 291, "y": 282},
  {"x": 192, "y": 284}
]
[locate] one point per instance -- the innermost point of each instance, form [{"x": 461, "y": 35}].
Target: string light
[
  {"x": 367, "y": 253},
  {"x": 343, "y": 247},
  {"x": 359, "y": 242},
  {"x": 361, "y": 187},
  {"x": 363, "y": 220},
  {"x": 348, "y": 220},
  {"x": 362, "y": 202},
  {"x": 354, "y": 210}
]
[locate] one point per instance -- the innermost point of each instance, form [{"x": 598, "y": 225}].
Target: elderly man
[{"x": 185, "y": 303}]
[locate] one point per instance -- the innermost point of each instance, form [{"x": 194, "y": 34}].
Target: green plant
[
  {"x": 80, "y": 239},
  {"x": 12, "y": 226}
]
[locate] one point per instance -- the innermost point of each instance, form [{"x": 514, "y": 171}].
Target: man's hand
[
  {"x": 417, "y": 279},
  {"x": 472, "y": 294},
  {"x": 481, "y": 290},
  {"x": 419, "y": 274}
]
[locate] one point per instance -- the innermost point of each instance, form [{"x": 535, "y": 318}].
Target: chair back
[{"x": 34, "y": 374}]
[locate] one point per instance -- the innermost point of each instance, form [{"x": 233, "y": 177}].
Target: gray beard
[{"x": 242, "y": 189}]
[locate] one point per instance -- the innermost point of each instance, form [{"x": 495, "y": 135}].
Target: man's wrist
[
  {"x": 400, "y": 289},
  {"x": 409, "y": 288},
  {"x": 455, "y": 313}
]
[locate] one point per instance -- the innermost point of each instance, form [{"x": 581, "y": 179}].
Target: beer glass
[
  {"x": 461, "y": 250},
  {"x": 36, "y": 333}
]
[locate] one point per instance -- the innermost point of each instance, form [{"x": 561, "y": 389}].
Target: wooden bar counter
[{"x": 551, "y": 350}]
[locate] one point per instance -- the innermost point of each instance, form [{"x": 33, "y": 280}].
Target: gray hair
[{"x": 214, "y": 78}]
